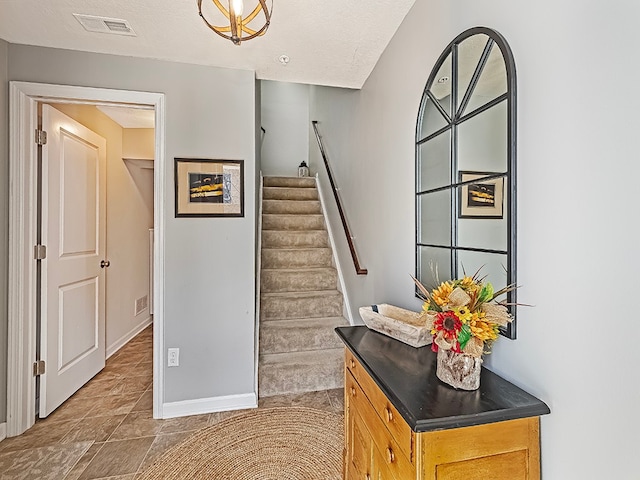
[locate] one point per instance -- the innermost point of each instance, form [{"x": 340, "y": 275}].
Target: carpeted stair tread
[
  {"x": 276, "y": 306},
  {"x": 296, "y": 257},
  {"x": 307, "y": 371},
  {"x": 274, "y": 221},
  {"x": 293, "y": 238},
  {"x": 297, "y": 182},
  {"x": 298, "y": 279},
  {"x": 289, "y": 193},
  {"x": 303, "y": 334},
  {"x": 291, "y": 207}
]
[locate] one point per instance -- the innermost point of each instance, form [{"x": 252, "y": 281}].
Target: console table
[{"x": 402, "y": 423}]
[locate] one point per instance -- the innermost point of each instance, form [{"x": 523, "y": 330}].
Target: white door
[{"x": 73, "y": 282}]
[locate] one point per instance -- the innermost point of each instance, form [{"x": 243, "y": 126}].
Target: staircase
[{"x": 299, "y": 304}]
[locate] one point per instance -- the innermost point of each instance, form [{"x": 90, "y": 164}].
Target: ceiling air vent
[{"x": 115, "y": 26}]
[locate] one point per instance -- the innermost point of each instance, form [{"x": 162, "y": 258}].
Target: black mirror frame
[{"x": 511, "y": 175}]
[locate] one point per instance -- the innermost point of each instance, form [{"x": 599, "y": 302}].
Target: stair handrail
[{"x": 352, "y": 248}]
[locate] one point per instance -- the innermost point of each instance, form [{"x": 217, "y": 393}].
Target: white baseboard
[
  {"x": 3, "y": 431},
  {"x": 122, "y": 341},
  {"x": 209, "y": 405}
]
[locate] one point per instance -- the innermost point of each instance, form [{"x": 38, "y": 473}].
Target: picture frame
[
  {"x": 482, "y": 199},
  {"x": 209, "y": 187}
]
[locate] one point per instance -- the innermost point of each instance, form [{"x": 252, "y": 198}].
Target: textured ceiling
[{"x": 329, "y": 42}]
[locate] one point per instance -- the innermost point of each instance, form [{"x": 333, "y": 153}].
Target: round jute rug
[{"x": 285, "y": 443}]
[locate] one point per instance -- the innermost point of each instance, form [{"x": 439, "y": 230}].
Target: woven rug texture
[{"x": 284, "y": 443}]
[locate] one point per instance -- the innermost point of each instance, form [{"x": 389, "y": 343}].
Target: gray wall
[
  {"x": 4, "y": 222},
  {"x": 565, "y": 154},
  {"x": 209, "y": 262},
  {"x": 285, "y": 117}
]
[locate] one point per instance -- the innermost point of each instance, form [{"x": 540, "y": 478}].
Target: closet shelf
[{"x": 140, "y": 162}]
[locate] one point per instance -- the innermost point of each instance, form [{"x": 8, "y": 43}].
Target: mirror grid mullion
[
  {"x": 476, "y": 76},
  {"x": 454, "y": 160}
]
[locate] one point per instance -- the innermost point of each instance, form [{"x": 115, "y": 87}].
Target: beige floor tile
[
  {"x": 98, "y": 387},
  {"x": 114, "y": 404},
  {"x": 84, "y": 461},
  {"x": 185, "y": 424},
  {"x": 145, "y": 402},
  {"x": 44, "y": 463},
  {"x": 131, "y": 384},
  {"x": 160, "y": 445},
  {"x": 96, "y": 429},
  {"x": 136, "y": 425},
  {"x": 118, "y": 370},
  {"x": 124, "y": 358},
  {"x": 142, "y": 368},
  {"x": 117, "y": 458},
  {"x": 43, "y": 433},
  {"x": 75, "y": 408}
]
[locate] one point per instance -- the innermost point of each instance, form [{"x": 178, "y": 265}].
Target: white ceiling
[
  {"x": 329, "y": 42},
  {"x": 130, "y": 117}
]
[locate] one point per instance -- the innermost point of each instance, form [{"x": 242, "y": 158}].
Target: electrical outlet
[
  {"x": 141, "y": 305},
  {"x": 173, "y": 357}
]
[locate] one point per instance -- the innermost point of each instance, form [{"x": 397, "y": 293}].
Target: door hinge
[
  {"x": 40, "y": 252},
  {"x": 38, "y": 368},
  {"x": 41, "y": 137}
]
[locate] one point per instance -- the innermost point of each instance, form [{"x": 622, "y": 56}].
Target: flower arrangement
[{"x": 463, "y": 315}]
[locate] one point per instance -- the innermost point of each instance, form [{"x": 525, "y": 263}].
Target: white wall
[
  {"x": 577, "y": 158},
  {"x": 4, "y": 222},
  {"x": 129, "y": 191},
  {"x": 209, "y": 262},
  {"x": 138, "y": 143},
  {"x": 285, "y": 117}
]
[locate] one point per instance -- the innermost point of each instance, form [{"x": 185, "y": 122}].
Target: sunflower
[
  {"x": 463, "y": 313},
  {"x": 468, "y": 284},
  {"x": 483, "y": 330},
  {"x": 441, "y": 294}
]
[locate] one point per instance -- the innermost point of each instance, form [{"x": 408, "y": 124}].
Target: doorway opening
[
  {"x": 96, "y": 225},
  {"x": 23, "y": 231}
]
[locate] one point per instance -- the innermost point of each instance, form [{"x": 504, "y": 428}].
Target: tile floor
[{"x": 107, "y": 431}]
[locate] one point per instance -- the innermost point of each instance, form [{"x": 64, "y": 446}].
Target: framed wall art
[
  {"x": 209, "y": 188},
  {"x": 482, "y": 199}
]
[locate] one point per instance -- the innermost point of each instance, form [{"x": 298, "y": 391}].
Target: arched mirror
[{"x": 466, "y": 165}]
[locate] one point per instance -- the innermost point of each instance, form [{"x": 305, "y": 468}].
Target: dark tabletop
[{"x": 407, "y": 376}]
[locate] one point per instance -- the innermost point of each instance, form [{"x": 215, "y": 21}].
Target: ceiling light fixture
[{"x": 238, "y": 29}]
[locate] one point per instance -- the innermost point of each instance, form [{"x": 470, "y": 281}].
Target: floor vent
[{"x": 114, "y": 26}]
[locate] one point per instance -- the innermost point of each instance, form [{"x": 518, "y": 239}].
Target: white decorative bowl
[{"x": 395, "y": 322}]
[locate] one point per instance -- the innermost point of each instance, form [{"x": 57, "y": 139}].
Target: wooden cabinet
[
  {"x": 380, "y": 444},
  {"x": 373, "y": 451}
]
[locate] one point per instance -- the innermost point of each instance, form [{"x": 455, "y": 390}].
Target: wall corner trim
[{"x": 209, "y": 405}]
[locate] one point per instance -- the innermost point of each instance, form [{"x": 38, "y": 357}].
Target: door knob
[{"x": 104, "y": 263}]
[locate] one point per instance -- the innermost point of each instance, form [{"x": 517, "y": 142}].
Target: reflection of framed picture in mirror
[
  {"x": 209, "y": 188},
  {"x": 482, "y": 199}
]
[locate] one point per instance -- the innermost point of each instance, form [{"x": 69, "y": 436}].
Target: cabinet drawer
[
  {"x": 391, "y": 456},
  {"x": 391, "y": 419}
]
